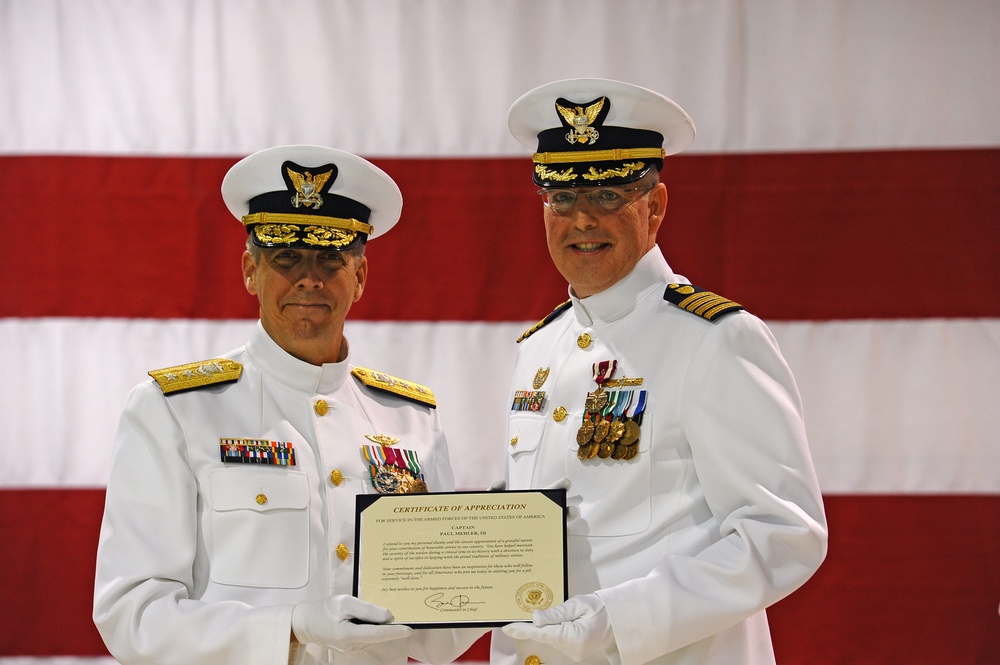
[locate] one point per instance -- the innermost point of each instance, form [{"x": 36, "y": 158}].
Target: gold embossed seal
[{"x": 533, "y": 596}]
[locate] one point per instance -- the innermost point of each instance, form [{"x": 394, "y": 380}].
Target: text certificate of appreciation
[{"x": 460, "y": 558}]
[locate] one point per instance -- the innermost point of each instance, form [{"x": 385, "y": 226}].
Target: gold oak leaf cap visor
[
  {"x": 311, "y": 197},
  {"x": 597, "y": 132}
]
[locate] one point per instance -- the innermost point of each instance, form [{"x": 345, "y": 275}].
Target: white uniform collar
[
  {"x": 289, "y": 370},
  {"x": 651, "y": 272}
]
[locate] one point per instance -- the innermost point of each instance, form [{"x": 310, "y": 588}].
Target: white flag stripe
[
  {"x": 902, "y": 406},
  {"x": 883, "y": 399},
  {"x": 400, "y": 78}
]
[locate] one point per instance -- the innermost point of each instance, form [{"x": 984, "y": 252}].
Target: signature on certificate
[{"x": 437, "y": 601}]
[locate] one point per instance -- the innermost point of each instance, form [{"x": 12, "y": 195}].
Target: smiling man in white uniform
[
  {"x": 669, "y": 408},
  {"x": 230, "y": 517}
]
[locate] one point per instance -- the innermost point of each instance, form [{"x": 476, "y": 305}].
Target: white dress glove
[
  {"x": 328, "y": 622},
  {"x": 577, "y": 628},
  {"x": 572, "y": 502},
  {"x": 572, "y": 505}
]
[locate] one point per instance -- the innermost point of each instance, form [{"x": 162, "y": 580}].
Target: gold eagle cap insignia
[
  {"x": 307, "y": 187},
  {"x": 580, "y": 120}
]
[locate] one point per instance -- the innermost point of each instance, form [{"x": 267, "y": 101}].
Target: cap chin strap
[
  {"x": 270, "y": 218},
  {"x": 285, "y": 229},
  {"x": 615, "y": 155}
]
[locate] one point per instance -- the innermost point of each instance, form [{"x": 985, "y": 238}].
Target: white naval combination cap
[
  {"x": 590, "y": 132},
  {"x": 311, "y": 197}
]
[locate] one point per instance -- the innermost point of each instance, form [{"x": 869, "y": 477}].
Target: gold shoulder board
[
  {"x": 196, "y": 375},
  {"x": 551, "y": 317},
  {"x": 395, "y": 385},
  {"x": 698, "y": 301}
]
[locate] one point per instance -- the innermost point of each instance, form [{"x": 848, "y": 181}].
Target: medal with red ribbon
[
  {"x": 594, "y": 426},
  {"x": 394, "y": 470}
]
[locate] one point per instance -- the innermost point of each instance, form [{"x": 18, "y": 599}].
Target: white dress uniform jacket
[
  {"x": 201, "y": 561},
  {"x": 717, "y": 517}
]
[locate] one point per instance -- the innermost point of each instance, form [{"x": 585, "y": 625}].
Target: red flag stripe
[
  {"x": 796, "y": 236},
  {"x": 946, "y": 576}
]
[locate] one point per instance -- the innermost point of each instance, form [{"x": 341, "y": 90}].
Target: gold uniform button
[
  {"x": 559, "y": 414},
  {"x": 342, "y": 552},
  {"x": 321, "y": 407},
  {"x": 532, "y": 660},
  {"x": 583, "y": 341},
  {"x": 336, "y": 477},
  {"x": 261, "y": 499},
  {"x": 513, "y": 441}
]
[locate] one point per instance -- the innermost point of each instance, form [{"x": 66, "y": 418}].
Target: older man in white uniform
[
  {"x": 669, "y": 408},
  {"x": 229, "y": 524}
]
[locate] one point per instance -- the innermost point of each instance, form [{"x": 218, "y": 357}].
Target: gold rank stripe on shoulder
[
  {"x": 393, "y": 384},
  {"x": 538, "y": 326},
  {"x": 196, "y": 375},
  {"x": 705, "y": 304}
]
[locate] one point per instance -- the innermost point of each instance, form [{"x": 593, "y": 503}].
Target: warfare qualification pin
[{"x": 540, "y": 377}]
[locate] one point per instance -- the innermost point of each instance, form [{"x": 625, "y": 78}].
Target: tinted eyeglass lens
[{"x": 607, "y": 199}]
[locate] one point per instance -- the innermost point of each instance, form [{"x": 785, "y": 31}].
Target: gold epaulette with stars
[
  {"x": 196, "y": 375},
  {"x": 705, "y": 304},
  {"x": 538, "y": 326},
  {"x": 395, "y": 385}
]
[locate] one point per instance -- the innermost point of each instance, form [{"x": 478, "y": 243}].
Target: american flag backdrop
[{"x": 844, "y": 186}]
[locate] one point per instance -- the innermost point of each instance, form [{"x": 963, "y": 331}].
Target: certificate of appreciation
[{"x": 450, "y": 559}]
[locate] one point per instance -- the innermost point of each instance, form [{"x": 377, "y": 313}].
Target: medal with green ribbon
[{"x": 394, "y": 470}]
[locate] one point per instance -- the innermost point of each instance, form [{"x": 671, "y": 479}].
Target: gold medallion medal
[
  {"x": 600, "y": 398},
  {"x": 388, "y": 479},
  {"x": 600, "y": 404},
  {"x": 627, "y": 447},
  {"x": 616, "y": 431},
  {"x": 601, "y": 430},
  {"x": 596, "y": 400},
  {"x": 413, "y": 485},
  {"x": 631, "y": 433}
]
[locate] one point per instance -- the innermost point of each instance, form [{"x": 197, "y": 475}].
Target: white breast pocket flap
[{"x": 260, "y": 527}]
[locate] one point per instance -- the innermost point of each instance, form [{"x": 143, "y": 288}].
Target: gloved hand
[
  {"x": 561, "y": 484},
  {"x": 572, "y": 502},
  {"x": 328, "y": 622},
  {"x": 578, "y": 627}
]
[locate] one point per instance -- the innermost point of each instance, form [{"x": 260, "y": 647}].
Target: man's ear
[
  {"x": 657, "y": 208},
  {"x": 361, "y": 272},
  {"x": 249, "y": 273}
]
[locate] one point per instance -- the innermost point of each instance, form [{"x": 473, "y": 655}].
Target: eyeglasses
[{"x": 605, "y": 199}]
